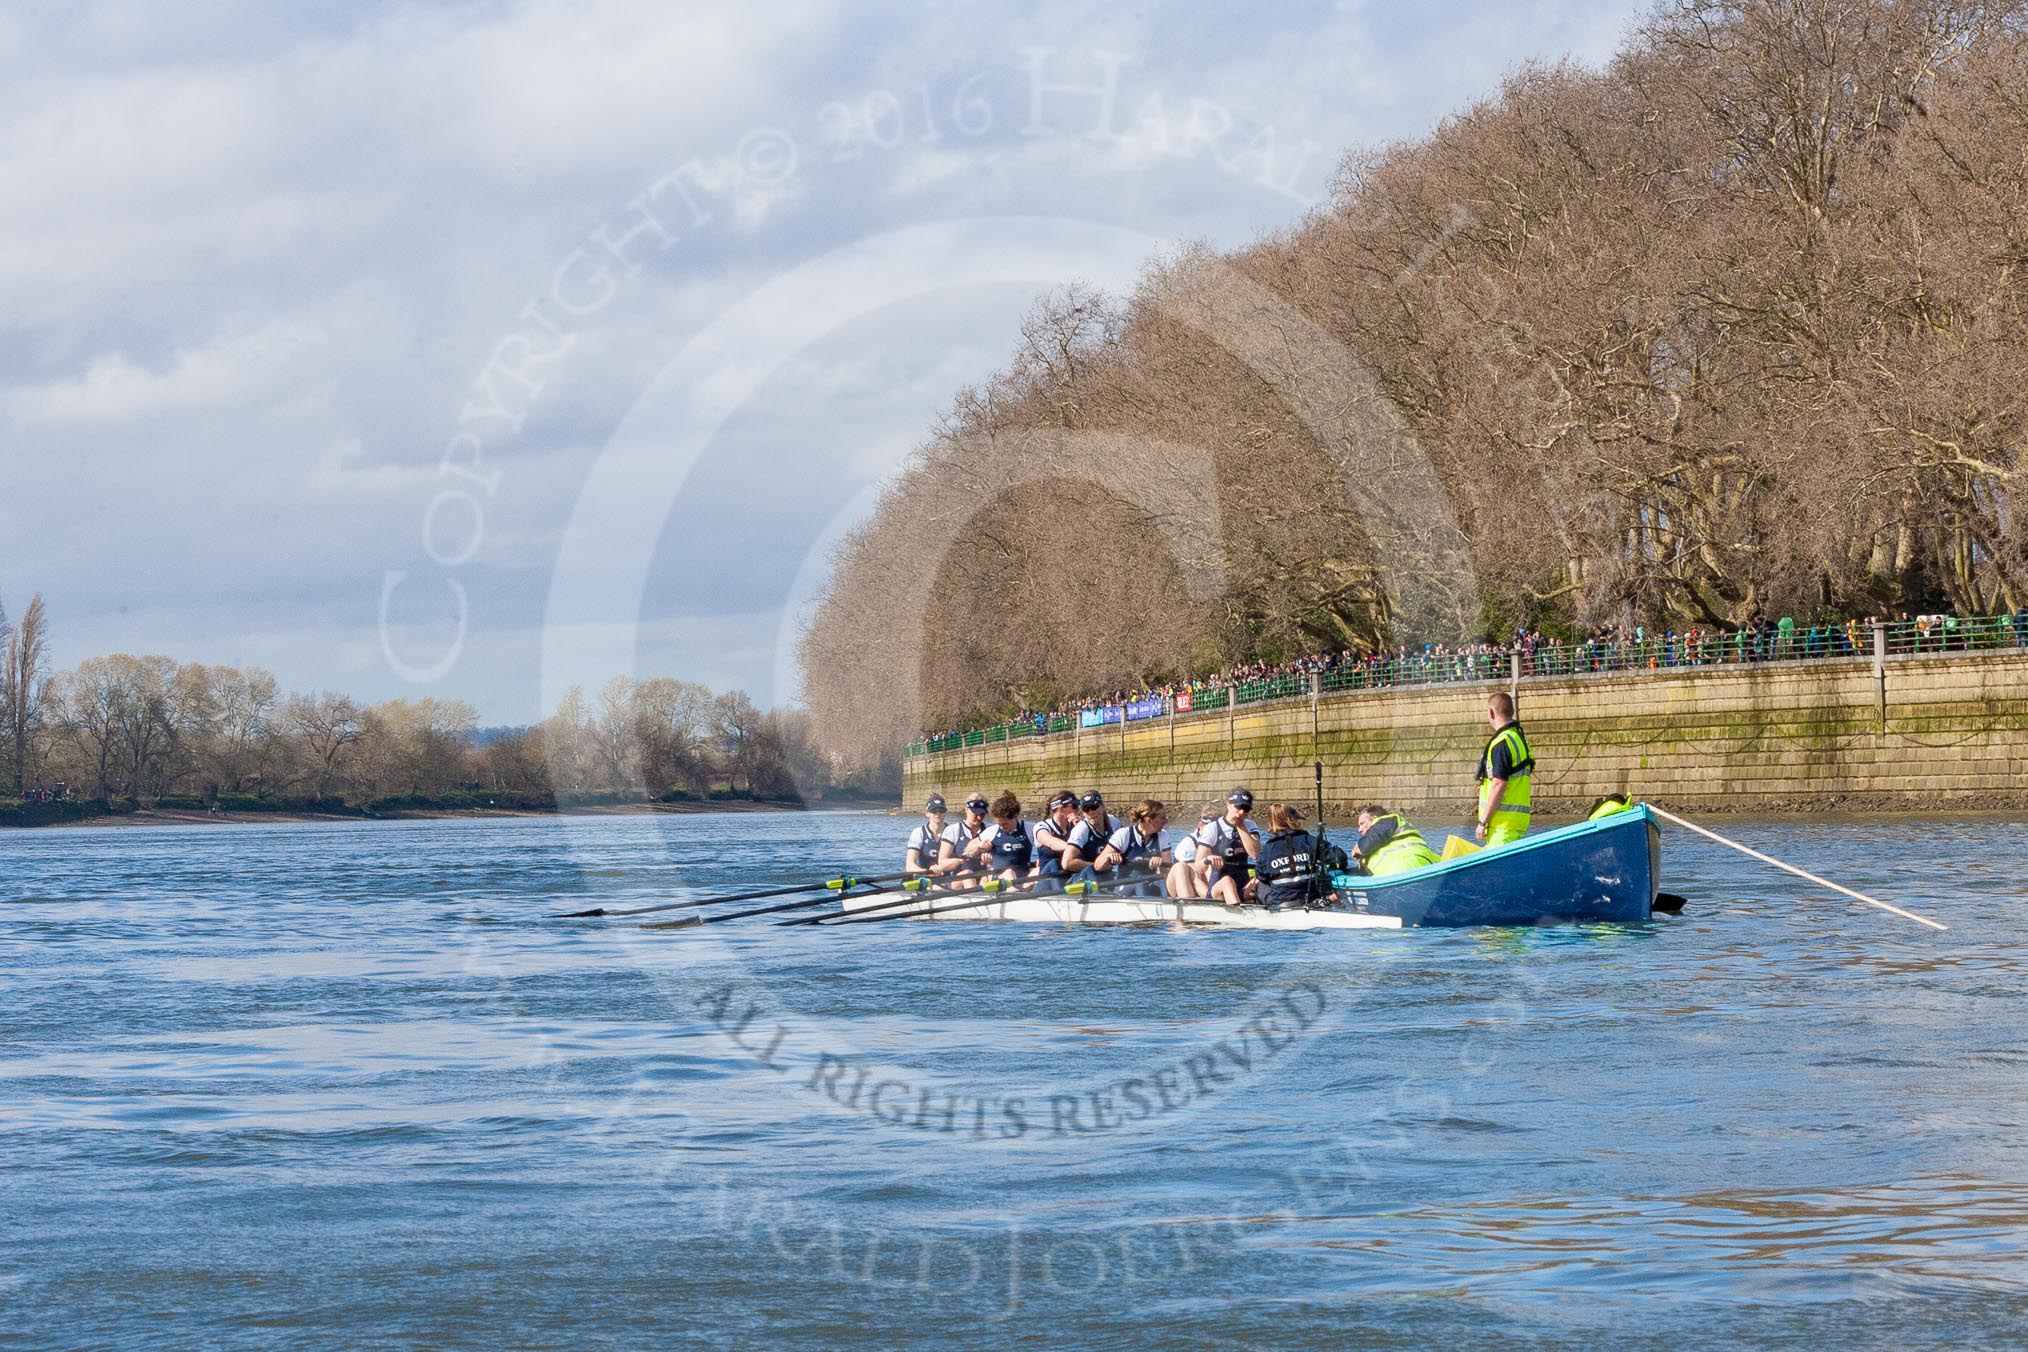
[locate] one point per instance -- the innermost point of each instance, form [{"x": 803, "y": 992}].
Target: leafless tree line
[
  {"x": 1733, "y": 322},
  {"x": 138, "y": 729}
]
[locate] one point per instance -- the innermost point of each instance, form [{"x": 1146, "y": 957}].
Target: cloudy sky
[{"x": 476, "y": 349}]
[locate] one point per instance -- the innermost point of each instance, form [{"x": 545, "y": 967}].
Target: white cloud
[
  {"x": 553, "y": 87},
  {"x": 928, "y": 168},
  {"x": 255, "y": 256},
  {"x": 115, "y": 388}
]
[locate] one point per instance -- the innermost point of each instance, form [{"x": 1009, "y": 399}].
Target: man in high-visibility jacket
[
  {"x": 1505, "y": 767},
  {"x": 1388, "y": 844}
]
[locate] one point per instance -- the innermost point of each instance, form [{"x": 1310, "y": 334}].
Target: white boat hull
[{"x": 1065, "y": 910}]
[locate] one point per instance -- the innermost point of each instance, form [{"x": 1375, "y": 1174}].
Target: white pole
[{"x": 1791, "y": 868}]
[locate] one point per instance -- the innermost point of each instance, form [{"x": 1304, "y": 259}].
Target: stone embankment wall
[{"x": 1922, "y": 732}]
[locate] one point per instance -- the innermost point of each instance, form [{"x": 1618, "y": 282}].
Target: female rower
[
  {"x": 925, "y": 842},
  {"x": 1138, "y": 848},
  {"x": 1287, "y": 871},
  {"x": 1235, "y": 839},
  {"x": 1052, "y": 841},
  {"x": 1007, "y": 848},
  {"x": 1190, "y": 876},
  {"x": 951, "y": 860},
  {"x": 1095, "y": 826}
]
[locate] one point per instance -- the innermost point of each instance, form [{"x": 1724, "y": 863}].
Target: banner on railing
[
  {"x": 1144, "y": 708},
  {"x": 1092, "y": 718},
  {"x": 1183, "y": 702}
]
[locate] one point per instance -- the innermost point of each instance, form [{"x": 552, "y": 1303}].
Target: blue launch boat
[{"x": 1608, "y": 869}]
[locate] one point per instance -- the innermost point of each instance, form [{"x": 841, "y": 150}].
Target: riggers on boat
[{"x": 1606, "y": 869}]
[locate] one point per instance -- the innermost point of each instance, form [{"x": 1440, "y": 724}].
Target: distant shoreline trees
[{"x": 138, "y": 730}]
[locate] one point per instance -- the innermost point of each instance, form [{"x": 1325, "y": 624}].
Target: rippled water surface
[{"x": 338, "y": 1085}]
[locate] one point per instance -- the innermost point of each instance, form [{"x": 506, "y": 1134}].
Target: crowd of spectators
[{"x": 1610, "y": 648}]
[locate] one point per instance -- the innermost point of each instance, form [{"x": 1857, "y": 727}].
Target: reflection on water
[
  {"x": 348, "y": 1083},
  {"x": 1933, "y": 1232}
]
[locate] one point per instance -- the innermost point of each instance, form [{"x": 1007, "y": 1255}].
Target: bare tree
[
  {"x": 568, "y": 739},
  {"x": 155, "y": 707},
  {"x": 92, "y": 707},
  {"x": 736, "y": 725},
  {"x": 242, "y": 707},
  {"x": 671, "y": 719},
  {"x": 24, "y": 684},
  {"x": 418, "y": 747},
  {"x": 615, "y": 748},
  {"x": 328, "y": 726},
  {"x": 514, "y": 763}
]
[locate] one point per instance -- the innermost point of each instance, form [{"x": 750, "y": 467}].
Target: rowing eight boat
[{"x": 1603, "y": 870}]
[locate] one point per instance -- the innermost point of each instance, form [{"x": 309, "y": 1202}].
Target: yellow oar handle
[{"x": 840, "y": 884}]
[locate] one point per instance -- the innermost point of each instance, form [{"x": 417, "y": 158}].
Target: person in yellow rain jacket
[
  {"x": 1611, "y": 805},
  {"x": 1388, "y": 844},
  {"x": 1505, "y": 767}
]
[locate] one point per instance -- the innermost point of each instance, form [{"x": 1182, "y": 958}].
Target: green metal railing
[
  {"x": 1926, "y": 636},
  {"x": 1274, "y": 687}
]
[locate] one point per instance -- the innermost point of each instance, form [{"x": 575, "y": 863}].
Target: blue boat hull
[{"x": 1605, "y": 870}]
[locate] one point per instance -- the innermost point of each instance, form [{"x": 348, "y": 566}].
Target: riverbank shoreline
[
  {"x": 1907, "y": 734},
  {"x": 156, "y": 816}
]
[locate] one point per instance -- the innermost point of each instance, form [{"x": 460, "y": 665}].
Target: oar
[
  {"x": 1800, "y": 873},
  {"x": 990, "y": 885},
  {"x": 1076, "y": 891},
  {"x": 907, "y": 885},
  {"x": 833, "y": 884}
]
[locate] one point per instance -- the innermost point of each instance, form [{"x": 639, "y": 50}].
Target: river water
[{"x": 329, "y": 1085}]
